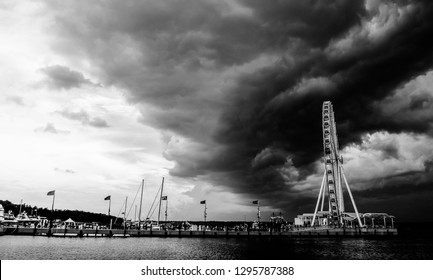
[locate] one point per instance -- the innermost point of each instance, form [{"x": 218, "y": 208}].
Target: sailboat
[
  {"x": 148, "y": 223},
  {"x": 156, "y": 225}
]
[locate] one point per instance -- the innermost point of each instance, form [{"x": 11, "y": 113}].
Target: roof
[{"x": 377, "y": 215}]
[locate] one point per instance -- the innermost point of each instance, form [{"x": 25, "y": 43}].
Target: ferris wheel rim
[{"x": 330, "y": 150}]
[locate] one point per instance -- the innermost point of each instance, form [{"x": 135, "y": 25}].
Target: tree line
[{"x": 76, "y": 215}]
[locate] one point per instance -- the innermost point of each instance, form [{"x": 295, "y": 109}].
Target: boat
[
  {"x": 2, "y": 212},
  {"x": 21, "y": 220},
  {"x": 25, "y": 219}
]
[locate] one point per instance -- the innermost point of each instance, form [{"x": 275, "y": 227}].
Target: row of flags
[
  {"x": 254, "y": 202},
  {"x": 162, "y": 197}
]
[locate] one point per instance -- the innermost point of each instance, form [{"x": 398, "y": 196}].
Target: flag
[
  {"x": 255, "y": 202},
  {"x": 203, "y": 202},
  {"x": 164, "y": 197},
  {"x": 50, "y": 193},
  {"x": 108, "y": 198}
]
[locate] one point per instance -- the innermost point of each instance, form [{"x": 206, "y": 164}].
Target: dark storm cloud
[
  {"x": 84, "y": 117},
  {"x": 428, "y": 164},
  {"x": 397, "y": 185},
  {"x": 313, "y": 22},
  {"x": 196, "y": 68},
  {"x": 405, "y": 195},
  {"x": 62, "y": 77},
  {"x": 359, "y": 81}
]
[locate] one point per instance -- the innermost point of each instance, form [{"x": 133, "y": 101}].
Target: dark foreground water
[{"x": 413, "y": 242}]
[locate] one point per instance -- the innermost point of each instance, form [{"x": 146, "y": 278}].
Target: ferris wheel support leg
[
  {"x": 321, "y": 194},
  {"x": 340, "y": 190},
  {"x": 351, "y": 197}
]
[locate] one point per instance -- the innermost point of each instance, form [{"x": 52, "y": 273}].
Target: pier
[{"x": 304, "y": 232}]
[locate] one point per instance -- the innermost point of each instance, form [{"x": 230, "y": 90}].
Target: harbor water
[{"x": 414, "y": 241}]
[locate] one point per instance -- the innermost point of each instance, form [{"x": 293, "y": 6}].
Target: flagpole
[
  {"x": 205, "y": 214},
  {"x": 109, "y": 212},
  {"x": 21, "y": 204},
  {"x": 258, "y": 211},
  {"x": 141, "y": 203},
  {"x": 52, "y": 206},
  {"x": 53, "y": 193}
]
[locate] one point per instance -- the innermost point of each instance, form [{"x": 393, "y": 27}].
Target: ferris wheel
[{"x": 333, "y": 178}]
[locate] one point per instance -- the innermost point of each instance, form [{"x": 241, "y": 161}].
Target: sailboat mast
[
  {"x": 160, "y": 198},
  {"x": 166, "y": 209},
  {"x": 135, "y": 214},
  {"x": 124, "y": 213},
  {"x": 141, "y": 202}
]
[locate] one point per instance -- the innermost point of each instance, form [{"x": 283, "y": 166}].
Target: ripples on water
[{"x": 408, "y": 245}]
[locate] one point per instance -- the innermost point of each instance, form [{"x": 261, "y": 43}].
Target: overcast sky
[{"x": 222, "y": 98}]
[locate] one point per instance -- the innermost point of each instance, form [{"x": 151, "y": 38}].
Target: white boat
[{"x": 24, "y": 218}]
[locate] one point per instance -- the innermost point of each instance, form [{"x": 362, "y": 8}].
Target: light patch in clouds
[
  {"x": 411, "y": 104},
  {"x": 307, "y": 86},
  {"x": 384, "y": 154},
  {"x": 387, "y": 18},
  {"x": 384, "y": 19}
]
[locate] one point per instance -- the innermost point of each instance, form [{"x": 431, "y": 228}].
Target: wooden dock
[{"x": 305, "y": 232}]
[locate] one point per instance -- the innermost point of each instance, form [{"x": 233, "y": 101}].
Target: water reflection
[{"x": 38, "y": 247}]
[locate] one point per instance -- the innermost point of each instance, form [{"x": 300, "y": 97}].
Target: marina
[{"x": 336, "y": 220}]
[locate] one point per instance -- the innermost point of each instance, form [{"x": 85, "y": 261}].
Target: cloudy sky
[{"x": 222, "y": 98}]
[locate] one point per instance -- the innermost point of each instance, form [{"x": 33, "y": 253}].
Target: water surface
[{"x": 413, "y": 242}]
